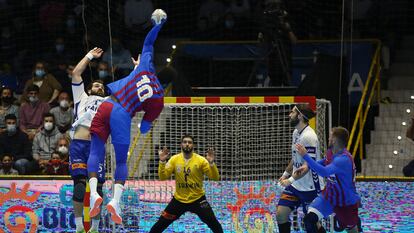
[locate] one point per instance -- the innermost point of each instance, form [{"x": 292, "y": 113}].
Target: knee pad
[
  {"x": 79, "y": 188},
  {"x": 310, "y": 222}
]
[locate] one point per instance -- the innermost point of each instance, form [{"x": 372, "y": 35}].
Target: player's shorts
[
  {"x": 347, "y": 216},
  {"x": 293, "y": 198},
  {"x": 112, "y": 118},
  {"x": 79, "y": 154}
]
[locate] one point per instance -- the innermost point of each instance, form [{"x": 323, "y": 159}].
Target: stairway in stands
[{"x": 390, "y": 150}]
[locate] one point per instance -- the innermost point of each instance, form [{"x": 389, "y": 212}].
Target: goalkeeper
[
  {"x": 139, "y": 91},
  {"x": 189, "y": 169}
]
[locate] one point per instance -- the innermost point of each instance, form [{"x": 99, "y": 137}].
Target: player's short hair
[
  {"x": 306, "y": 111},
  {"x": 32, "y": 88},
  {"x": 341, "y": 134},
  {"x": 187, "y": 136}
]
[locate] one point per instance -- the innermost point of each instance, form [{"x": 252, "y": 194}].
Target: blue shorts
[
  {"x": 293, "y": 198},
  {"x": 79, "y": 154}
]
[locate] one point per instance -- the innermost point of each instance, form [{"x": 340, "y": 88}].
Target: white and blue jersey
[{"x": 308, "y": 138}]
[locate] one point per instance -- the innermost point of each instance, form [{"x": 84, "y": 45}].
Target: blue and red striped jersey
[{"x": 339, "y": 170}]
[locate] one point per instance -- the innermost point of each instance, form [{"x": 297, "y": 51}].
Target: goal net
[{"x": 252, "y": 141}]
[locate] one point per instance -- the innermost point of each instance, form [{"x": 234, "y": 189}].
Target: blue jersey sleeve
[
  {"x": 335, "y": 167},
  {"x": 147, "y": 54}
]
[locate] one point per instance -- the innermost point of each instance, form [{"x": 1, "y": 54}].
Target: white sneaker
[
  {"x": 115, "y": 210},
  {"x": 95, "y": 202}
]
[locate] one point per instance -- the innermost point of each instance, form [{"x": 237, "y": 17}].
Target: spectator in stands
[
  {"x": 31, "y": 114},
  {"x": 408, "y": 170},
  {"x": 7, "y": 165},
  {"x": 121, "y": 58},
  {"x": 240, "y": 8},
  {"x": 228, "y": 28},
  {"x": 73, "y": 34},
  {"x": 7, "y": 107},
  {"x": 63, "y": 148},
  {"x": 213, "y": 10},
  {"x": 56, "y": 166},
  {"x": 51, "y": 15},
  {"x": 63, "y": 113},
  {"x": 137, "y": 14},
  {"x": 7, "y": 43},
  {"x": 203, "y": 31},
  {"x": 49, "y": 87},
  {"x": 15, "y": 142},
  {"x": 45, "y": 141},
  {"x": 104, "y": 72}
]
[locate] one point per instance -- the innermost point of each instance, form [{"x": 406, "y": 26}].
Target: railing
[{"x": 370, "y": 90}]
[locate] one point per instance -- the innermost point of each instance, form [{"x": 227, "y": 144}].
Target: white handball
[{"x": 158, "y": 16}]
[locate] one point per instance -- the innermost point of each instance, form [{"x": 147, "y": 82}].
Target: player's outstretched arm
[
  {"x": 81, "y": 66},
  {"x": 317, "y": 167},
  {"x": 165, "y": 169}
]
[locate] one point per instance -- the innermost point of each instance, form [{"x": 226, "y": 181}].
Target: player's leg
[
  {"x": 79, "y": 173},
  {"x": 288, "y": 201},
  {"x": 172, "y": 212},
  {"x": 120, "y": 124},
  {"x": 347, "y": 217},
  {"x": 317, "y": 210},
  {"x": 306, "y": 199},
  {"x": 204, "y": 211}
]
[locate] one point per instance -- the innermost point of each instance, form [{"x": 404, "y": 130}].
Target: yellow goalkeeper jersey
[{"x": 189, "y": 175}]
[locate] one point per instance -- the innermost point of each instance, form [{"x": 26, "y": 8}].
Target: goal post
[{"x": 252, "y": 140}]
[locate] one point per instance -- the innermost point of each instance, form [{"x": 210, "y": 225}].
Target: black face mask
[{"x": 7, "y": 100}]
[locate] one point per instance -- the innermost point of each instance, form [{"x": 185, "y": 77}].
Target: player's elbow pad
[{"x": 145, "y": 126}]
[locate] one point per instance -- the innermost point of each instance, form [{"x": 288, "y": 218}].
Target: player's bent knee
[
  {"x": 79, "y": 189},
  {"x": 282, "y": 216}
]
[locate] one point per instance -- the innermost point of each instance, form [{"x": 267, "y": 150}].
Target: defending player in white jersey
[
  {"x": 86, "y": 106},
  {"x": 302, "y": 186}
]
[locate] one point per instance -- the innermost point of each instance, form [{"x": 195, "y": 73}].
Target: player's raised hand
[
  {"x": 136, "y": 62},
  {"x": 301, "y": 149},
  {"x": 210, "y": 155},
  {"x": 163, "y": 154},
  {"x": 96, "y": 52}
]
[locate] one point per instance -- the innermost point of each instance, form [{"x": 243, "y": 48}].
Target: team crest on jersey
[{"x": 178, "y": 168}]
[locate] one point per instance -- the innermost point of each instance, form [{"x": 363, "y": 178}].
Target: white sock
[
  {"x": 79, "y": 223},
  {"x": 93, "y": 183},
  {"x": 95, "y": 224},
  {"x": 118, "y": 189}
]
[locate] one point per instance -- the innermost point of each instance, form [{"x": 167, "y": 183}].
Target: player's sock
[
  {"x": 79, "y": 223},
  {"x": 93, "y": 183},
  {"x": 118, "y": 189},
  {"x": 284, "y": 227},
  {"x": 95, "y": 224}
]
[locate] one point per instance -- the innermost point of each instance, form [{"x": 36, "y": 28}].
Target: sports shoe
[
  {"x": 93, "y": 231},
  {"x": 115, "y": 210},
  {"x": 95, "y": 205}
]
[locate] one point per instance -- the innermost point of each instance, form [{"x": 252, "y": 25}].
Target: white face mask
[
  {"x": 64, "y": 104},
  {"x": 63, "y": 149},
  {"x": 48, "y": 126},
  {"x": 33, "y": 99}
]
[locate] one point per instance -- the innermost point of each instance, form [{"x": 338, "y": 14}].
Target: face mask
[
  {"x": 229, "y": 24},
  {"x": 33, "y": 99},
  {"x": 63, "y": 149},
  {"x": 60, "y": 47},
  {"x": 40, "y": 73},
  {"x": 102, "y": 74},
  {"x": 11, "y": 129},
  {"x": 7, "y": 100},
  {"x": 48, "y": 126},
  {"x": 64, "y": 104}
]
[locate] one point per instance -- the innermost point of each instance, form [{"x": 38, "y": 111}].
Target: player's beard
[
  {"x": 294, "y": 121},
  {"x": 187, "y": 149},
  {"x": 98, "y": 93}
]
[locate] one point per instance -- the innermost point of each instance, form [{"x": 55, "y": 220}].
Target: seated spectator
[
  {"x": 7, "y": 77},
  {"x": 240, "y": 8},
  {"x": 7, "y": 107},
  {"x": 104, "y": 72},
  {"x": 56, "y": 166},
  {"x": 63, "y": 148},
  {"x": 49, "y": 87},
  {"x": 14, "y": 141},
  {"x": 45, "y": 141},
  {"x": 121, "y": 58},
  {"x": 63, "y": 113},
  {"x": 31, "y": 114},
  {"x": 7, "y": 165}
]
